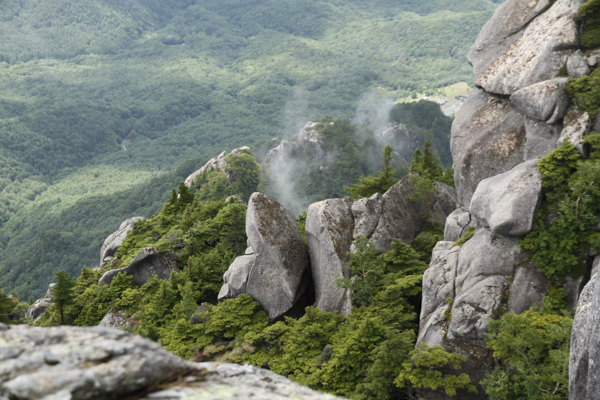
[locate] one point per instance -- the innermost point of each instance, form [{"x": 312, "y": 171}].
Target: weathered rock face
[
  {"x": 218, "y": 163},
  {"x": 329, "y": 230},
  {"x": 487, "y": 136},
  {"x": 584, "y": 380},
  {"x": 116, "y": 239},
  {"x": 366, "y": 213},
  {"x": 544, "y": 101},
  {"x": 577, "y": 125},
  {"x": 456, "y": 224},
  {"x": 236, "y": 276},
  {"x": 78, "y": 363},
  {"x": 148, "y": 262},
  {"x": 524, "y": 43},
  {"x": 273, "y": 274},
  {"x": 540, "y": 138},
  {"x": 461, "y": 290},
  {"x": 103, "y": 363},
  {"x": 507, "y": 202},
  {"x": 577, "y": 65},
  {"x": 401, "y": 217}
]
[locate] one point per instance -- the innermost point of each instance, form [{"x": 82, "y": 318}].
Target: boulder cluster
[
  {"x": 519, "y": 113},
  {"x": 278, "y": 268}
]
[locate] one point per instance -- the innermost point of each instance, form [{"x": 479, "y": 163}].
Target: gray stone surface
[
  {"x": 236, "y": 276},
  {"x": 523, "y": 54},
  {"x": 307, "y": 139},
  {"x": 543, "y": 101},
  {"x": 366, "y": 213},
  {"x": 401, "y": 217},
  {"x": 329, "y": 228},
  {"x": 507, "y": 202},
  {"x": 281, "y": 259},
  {"x": 540, "y": 138},
  {"x": 237, "y": 382},
  {"x": 456, "y": 224},
  {"x": 37, "y": 309},
  {"x": 577, "y": 65},
  {"x": 528, "y": 288},
  {"x": 78, "y": 363},
  {"x": 116, "y": 239},
  {"x": 148, "y": 262},
  {"x": 584, "y": 377},
  {"x": 114, "y": 319},
  {"x": 502, "y": 30},
  {"x": 577, "y": 124},
  {"x": 487, "y": 139}
]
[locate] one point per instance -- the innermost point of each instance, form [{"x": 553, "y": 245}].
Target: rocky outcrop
[
  {"x": 519, "y": 113},
  {"x": 218, "y": 163},
  {"x": 544, "y": 101},
  {"x": 116, "y": 239},
  {"x": 78, "y": 363},
  {"x": 236, "y": 276},
  {"x": 148, "y": 262},
  {"x": 577, "y": 65},
  {"x": 114, "y": 319},
  {"x": 577, "y": 125},
  {"x": 507, "y": 203},
  {"x": 584, "y": 380},
  {"x": 487, "y": 137},
  {"x": 329, "y": 229},
  {"x": 366, "y": 213},
  {"x": 103, "y": 363},
  {"x": 308, "y": 139},
  {"x": 457, "y": 224},
  {"x": 37, "y": 309},
  {"x": 524, "y": 43},
  {"x": 402, "y": 216},
  {"x": 273, "y": 274},
  {"x": 462, "y": 289}
]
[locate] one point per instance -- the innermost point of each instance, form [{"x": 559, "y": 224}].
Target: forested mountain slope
[{"x": 174, "y": 80}]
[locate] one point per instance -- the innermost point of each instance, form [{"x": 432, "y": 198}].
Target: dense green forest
[{"x": 177, "y": 80}]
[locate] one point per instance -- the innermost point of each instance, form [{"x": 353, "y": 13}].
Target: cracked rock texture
[{"x": 273, "y": 274}]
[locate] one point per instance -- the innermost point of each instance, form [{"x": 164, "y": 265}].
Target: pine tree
[
  {"x": 62, "y": 294},
  {"x": 185, "y": 196},
  {"x": 370, "y": 185}
]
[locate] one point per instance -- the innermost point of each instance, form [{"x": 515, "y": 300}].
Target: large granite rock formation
[
  {"x": 308, "y": 139},
  {"x": 524, "y": 43},
  {"x": 116, "y": 239},
  {"x": 148, "y": 262},
  {"x": 102, "y": 363},
  {"x": 273, "y": 274},
  {"x": 507, "y": 202},
  {"x": 519, "y": 113},
  {"x": 329, "y": 229}
]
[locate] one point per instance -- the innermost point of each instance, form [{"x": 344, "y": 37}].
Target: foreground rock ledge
[{"x": 103, "y": 363}]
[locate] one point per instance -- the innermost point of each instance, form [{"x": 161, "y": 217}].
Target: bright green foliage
[
  {"x": 534, "y": 350},
  {"x": 585, "y": 91},
  {"x": 465, "y": 237},
  {"x": 372, "y": 272},
  {"x": 301, "y": 222},
  {"x": 422, "y": 370},
  {"x": 426, "y": 164},
  {"x": 426, "y": 241},
  {"x": 572, "y": 190},
  {"x": 370, "y": 185},
  {"x": 589, "y": 13}
]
